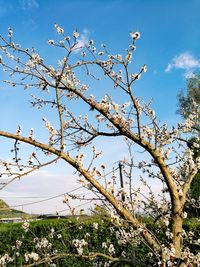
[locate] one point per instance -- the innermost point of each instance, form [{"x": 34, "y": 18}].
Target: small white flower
[
  {"x": 144, "y": 68},
  {"x": 111, "y": 249},
  {"x": 10, "y": 32},
  {"x": 19, "y": 130},
  {"x": 132, "y": 47},
  {"x": 61, "y": 42},
  {"x": 75, "y": 34},
  {"x": 67, "y": 38},
  {"x": 25, "y": 226},
  {"x": 151, "y": 113},
  {"x": 59, "y": 29},
  {"x": 18, "y": 244},
  {"x": 51, "y": 42},
  {"x": 100, "y": 53},
  {"x": 184, "y": 214},
  {"x": 135, "y": 35},
  {"x": 34, "y": 256},
  {"x": 118, "y": 57},
  {"x": 104, "y": 245}
]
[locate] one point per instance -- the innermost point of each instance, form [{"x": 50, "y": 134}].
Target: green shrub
[{"x": 83, "y": 228}]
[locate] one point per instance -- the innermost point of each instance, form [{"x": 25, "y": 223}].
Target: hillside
[{"x": 7, "y": 212}]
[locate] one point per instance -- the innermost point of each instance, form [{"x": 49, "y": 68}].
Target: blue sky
[
  {"x": 168, "y": 30},
  {"x": 169, "y": 45}
]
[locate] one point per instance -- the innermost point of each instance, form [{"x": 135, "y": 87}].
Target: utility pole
[{"x": 121, "y": 180}]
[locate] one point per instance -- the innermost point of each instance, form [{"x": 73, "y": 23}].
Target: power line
[
  {"x": 23, "y": 197},
  {"x": 53, "y": 197},
  {"x": 80, "y": 205},
  {"x": 32, "y": 197},
  {"x": 47, "y": 199}
]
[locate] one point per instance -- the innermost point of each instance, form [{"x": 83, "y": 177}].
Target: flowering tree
[{"x": 166, "y": 156}]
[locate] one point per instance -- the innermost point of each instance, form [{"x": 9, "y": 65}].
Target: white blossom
[
  {"x": 25, "y": 226},
  {"x": 135, "y": 35},
  {"x": 59, "y": 29},
  {"x": 75, "y": 34},
  {"x": 111, "y": 249}
]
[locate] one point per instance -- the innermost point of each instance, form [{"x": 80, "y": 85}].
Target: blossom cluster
[
  {"x": 42, "y": 243},
  {"x": 79, "y": 245},
  {"x": 31, "y": 257},
  {"x": 5, "y": 260},
  {"x": 52, "y": 131}
]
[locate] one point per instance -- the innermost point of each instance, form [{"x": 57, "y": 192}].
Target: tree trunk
[{"x": 177, "y": 227}]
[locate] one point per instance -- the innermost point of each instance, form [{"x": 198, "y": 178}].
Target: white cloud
[
  {"x": 28, "y": 4},
  {"x": 40, "y": 185},
  {"x": 185, "y": 61}
]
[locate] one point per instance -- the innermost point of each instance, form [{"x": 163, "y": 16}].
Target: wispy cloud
[
  {"x": 28, "y": 4},
  {"x": 82, "y": 41},
  {"x": 185, "y": 61}
]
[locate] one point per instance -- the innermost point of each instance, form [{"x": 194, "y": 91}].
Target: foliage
[
  {"x": 186, "y": 103},
  {"x": 71, "y": 229},
  {"x": 192, "y": 94}
]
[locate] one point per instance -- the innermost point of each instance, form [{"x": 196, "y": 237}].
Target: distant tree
[
  {"x": 186, "y": 103},
  {"x": 185, "y": 100},
  {"x": 89, "y": 95}
]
